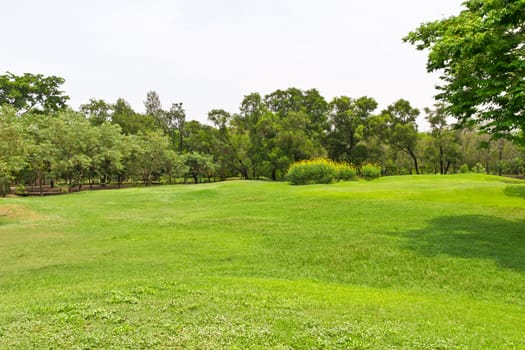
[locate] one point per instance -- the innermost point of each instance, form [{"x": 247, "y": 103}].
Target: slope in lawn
[{"x": 420, "y": 262}]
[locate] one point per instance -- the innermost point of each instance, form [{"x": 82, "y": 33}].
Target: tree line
[{"x": 44, "y": 142}]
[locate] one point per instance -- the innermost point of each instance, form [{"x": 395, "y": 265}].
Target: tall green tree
[
  {"x": 108, "y": 162},
  {"x": 176, "y": 123},
  {"x": 445, "y": 138},
  {"x": 41, "y": 152},
  {"x": 225, "y": 154},
  {"x": 154, "y": 109},
  {"x": 309, "y": 102},
  {"x": 402, "y": 132},
  {"x": 480, "y": 55},
  {"x": 97, "y": 111},
  {"x": 130, "y": 121},
  {"x": 12, "y": 147},
  {"x": 149, "y": 156},
  {"x": 248, "y": 125},
  {"x": 348, "y": 120}
]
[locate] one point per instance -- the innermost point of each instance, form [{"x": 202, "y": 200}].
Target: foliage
[
  {"x": 370, "y": 171},
  {"x": 199, "y": 165},
  {"x": 13, "y": 146},
  {"x": 401, "y": 128},
  {"x": 97, "y": 111},
  {"x": 346, "y": 172},
  {"x": 110, "y": 142},
  {"x": 480, "y": 54},
  {"x": 445, "y": 139},
  {"x": 463, "y": 169},
  {"x": 5, "y": 183},
  {"x": 478, "y": 168},
  {"x": 32, "y": 92},
  {"x": 20, "y": 189},
  {"x": 130, "y": 121},
  {"x": 348, "y": 120},
  {"x": 319, "y": 171}
]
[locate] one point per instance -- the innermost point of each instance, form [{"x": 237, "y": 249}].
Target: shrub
[
  {"x": 319, "y": 171},
  {"x": 463, "y": 169},
  {"x": 346, "y": 172},
  {"x": 20, "y": 190},
  {"x": 478, "y": 168},
  {"x": 370, "y": 171}
]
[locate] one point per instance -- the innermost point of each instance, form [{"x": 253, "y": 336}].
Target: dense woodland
[{"x": 43, "y": 142}]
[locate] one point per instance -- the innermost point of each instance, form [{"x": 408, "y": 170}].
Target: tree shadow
[
  {"x": 515, "y": 191},
  {"x": 471, "y": 236}
]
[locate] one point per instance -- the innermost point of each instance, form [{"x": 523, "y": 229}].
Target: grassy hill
[{"x": 424, "y": 262}]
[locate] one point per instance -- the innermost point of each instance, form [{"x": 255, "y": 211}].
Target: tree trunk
[
  {"x": 441, "y": 163},
  {"x": 500, "y": 156},
  {"x": 447, "y": 167},
  {"x": 180, "y": 140},
  {"x": 414, "y": 158}
]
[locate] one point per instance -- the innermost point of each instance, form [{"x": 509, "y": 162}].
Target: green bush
[
  {"x": 319, "y": 171},
  {"x": 463, "y": 169},
  {"x": 370, "y": 171},
  {"x": 20, "y": 190},
  {"x": 346, "y": 172},
  {"x": 478, "y": 168}
]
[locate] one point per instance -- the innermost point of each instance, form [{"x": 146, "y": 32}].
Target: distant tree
[
  {"x": 309, "y": 102},
  {"x": 74, "y": 142},
  {"x": 348, "y": 120},
  {"x": 199, "y": 165},
  {"x": 176, "y": 122},
  {"x": 402, "y": 128},
  {"x": 149, "y": 155},
  {"x": 444, "y": 136},
  {"x": 152, "y": 104},
  {"x": 97, "y": 111},
  {"x": 130, "y": 121},
  {"x": 154, "y": 109},
  {"x": 32, "y": 92},
  {"x": 109, "y": 159},
  {"x": 480, "y": 55},
  {"x": 249, "y": 138},
  {"x": 174, "y": 166},
  {"x": 199, "y": 137},
  {"x": 40, "y": 154},
  {"x": 12, "y": 146}
]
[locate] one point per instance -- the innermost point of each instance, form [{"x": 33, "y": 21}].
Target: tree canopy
[
  {"x": 32, "y": 92},
  {"x": 110, "y": 143},
  {"x": 481, "y": 54}
]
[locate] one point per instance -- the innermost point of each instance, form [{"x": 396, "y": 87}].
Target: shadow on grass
[
  {"x": 470, "y": 236},
  {"x": 515, "y": 191}
]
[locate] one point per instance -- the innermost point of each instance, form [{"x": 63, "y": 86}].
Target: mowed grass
[{"x": 423, "y": 262}]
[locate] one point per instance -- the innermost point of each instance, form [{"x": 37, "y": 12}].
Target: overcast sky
[{"x": 209, "y": 54}]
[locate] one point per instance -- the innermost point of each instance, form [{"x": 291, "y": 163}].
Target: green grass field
[{"x": 426, "y": 262}]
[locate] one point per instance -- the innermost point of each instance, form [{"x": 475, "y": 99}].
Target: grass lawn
[{"x": 423, "y": 262}]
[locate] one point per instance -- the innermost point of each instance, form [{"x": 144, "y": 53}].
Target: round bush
[
  {"x": 370, "y": 171},
  {"x": 346, "y": 172},
  {"x": 319, "y": 171}
]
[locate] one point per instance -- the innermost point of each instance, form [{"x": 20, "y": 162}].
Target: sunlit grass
[{"x": 400, "y": 262}]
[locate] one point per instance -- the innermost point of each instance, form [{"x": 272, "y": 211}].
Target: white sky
[{"x": 209, "y": 54}]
